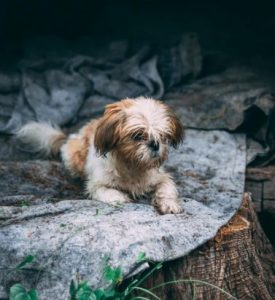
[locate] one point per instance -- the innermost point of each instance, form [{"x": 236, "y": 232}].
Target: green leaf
[
  {"x": 141, "y": 257},
  {"x": 111, "y": 294},
  {"x": 114, "y": 275},
  {"x": 158, "y": 266},
  {"x": 83, "y": 285},
  {"x": 33, "y": 294},
  {"x": 18, "y": 292},
  {"x": 85, "y": 296},
  {"x": 118, "y": 275},
  {"x": 15, "y": 290},
  {"x": 24, "y": 204},
  {"x": 100, "y": 294},
  {"x": 108, "y": 273},
  {"x": 27, "y": 260},
  {"x": 72, "y": 290},
  {"x": 22, "y": 296},
  {"x": 85, "y": 292}
]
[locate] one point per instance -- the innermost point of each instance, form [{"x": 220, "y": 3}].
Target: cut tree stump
[
  {"x": 240, "y": 260},
  {"x": 261, "y": 183}
]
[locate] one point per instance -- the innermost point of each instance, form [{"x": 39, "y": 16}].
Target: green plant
[
  {"x": 18, "y": 292},
  {"x": 27, "y": 260},
  {"x": 194, "y": 282},
  {"x": 80, "y": 290}
]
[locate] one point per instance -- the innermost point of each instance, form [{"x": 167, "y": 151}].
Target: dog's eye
[{"x": 138, "y": 136}]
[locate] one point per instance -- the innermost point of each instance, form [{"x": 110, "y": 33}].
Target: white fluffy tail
[{"x": 41, "y": 137}]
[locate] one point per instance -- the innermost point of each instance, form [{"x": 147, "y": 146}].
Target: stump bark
[
  {"x": 239, "y": 260},
  {"x": 260, "y": 182}
]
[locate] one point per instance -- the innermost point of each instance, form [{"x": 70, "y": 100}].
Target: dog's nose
[{"x": 154, "y": 145}]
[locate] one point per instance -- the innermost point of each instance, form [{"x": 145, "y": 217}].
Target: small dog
[{"x": 120, "y": 154}]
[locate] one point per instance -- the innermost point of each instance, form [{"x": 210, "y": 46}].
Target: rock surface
[{"x": 44, "y": 213}]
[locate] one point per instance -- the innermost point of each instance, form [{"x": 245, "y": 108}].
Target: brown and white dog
[{"x": 120, "y": 154}]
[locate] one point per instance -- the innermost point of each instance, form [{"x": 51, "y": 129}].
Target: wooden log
[{"x": 239, "y": 260}]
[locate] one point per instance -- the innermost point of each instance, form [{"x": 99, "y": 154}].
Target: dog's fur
[{"x": 120, "y": 154}]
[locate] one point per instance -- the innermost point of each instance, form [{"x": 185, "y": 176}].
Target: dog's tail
[{"x": 42, "y": 138}]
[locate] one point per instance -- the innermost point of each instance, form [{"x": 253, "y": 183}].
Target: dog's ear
[
  {"x": 177, "y": 131},
  {"x": 109, "y": 128}
]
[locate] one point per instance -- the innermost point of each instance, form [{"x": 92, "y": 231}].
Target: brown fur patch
[
  {"x": 78, "y": 148},
  {"x": 118, "y": 106},
  {"x": 126, "y": 153},
  {"x": 78, "y": 153},
  {"x": 57, "y": 142},
  {"x": 110, "y": 126},
  {"x": 177, "y": 128}
]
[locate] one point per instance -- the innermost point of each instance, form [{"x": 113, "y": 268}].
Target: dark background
[{"x": 239, "y": 28}]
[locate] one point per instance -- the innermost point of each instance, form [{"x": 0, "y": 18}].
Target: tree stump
[
  {"x": 260, "y": 182},
  {"x": 240, "y": 260}
]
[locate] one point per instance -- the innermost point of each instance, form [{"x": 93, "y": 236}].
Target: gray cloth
[
  {"x": 53, "y": 85},
  {"x": 64, "y": 84},
  {"x": 235, "y": 100},
  {"x": 220, "y": 101},
  {"x": 44, "y": 214},
  {"x": 43, "y": 210}
]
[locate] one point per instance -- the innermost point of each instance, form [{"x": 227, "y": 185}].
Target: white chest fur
[{"x": 105, "y": 171}]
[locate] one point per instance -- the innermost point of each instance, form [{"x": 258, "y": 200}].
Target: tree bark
[
  {"x": 239, "y": 260},
  {"x": 261, "y": 183}
]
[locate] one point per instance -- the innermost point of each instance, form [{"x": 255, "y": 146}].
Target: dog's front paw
[
  {"x": 169, "y": 207},
  {"x": 117, "y": 198},
  {"x": 111, "y": 196}
]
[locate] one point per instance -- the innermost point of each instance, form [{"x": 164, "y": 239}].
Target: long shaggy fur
[
  {"x": 120, "y": 154},
  {"x": 41, "y": 137}
]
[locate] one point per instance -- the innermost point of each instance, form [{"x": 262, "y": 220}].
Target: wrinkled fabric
[
  {"x": 51, "y": 85},
  {"x": 43, "y": 211},
  {"x": 235, "y": 100}
]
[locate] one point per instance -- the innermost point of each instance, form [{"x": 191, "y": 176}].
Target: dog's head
[{"x": 138, "y": 131}]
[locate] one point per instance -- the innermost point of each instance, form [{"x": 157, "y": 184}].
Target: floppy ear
[
  {"x": 177, "y": 130},
  {"x": 108, "y": 129}
]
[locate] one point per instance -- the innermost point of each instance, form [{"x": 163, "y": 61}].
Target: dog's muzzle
[{"x": 154, "y": 147}]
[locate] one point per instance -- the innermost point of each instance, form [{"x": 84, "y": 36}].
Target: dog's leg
[
  {"x": 108, "y": 195},
  {"x": 165, "y": 198}
]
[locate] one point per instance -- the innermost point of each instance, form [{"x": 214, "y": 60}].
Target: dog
[{"x": 119, "y": 154}]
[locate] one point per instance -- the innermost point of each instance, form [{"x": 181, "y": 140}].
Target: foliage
[
  {"x": 18, "y": 292},
  {"x": 27, "y": 260},
  {"x": 80, "y": 290}
]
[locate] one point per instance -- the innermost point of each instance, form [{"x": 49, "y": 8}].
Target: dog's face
[{"x": 138, "y": 132}]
